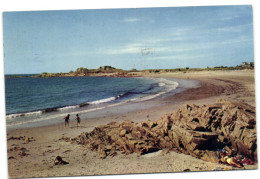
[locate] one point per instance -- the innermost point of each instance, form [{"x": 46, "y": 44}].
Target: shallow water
[{"x": 119, "y": 95}]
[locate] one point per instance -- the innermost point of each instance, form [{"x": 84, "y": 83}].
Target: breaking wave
[{"x": 162, "y": 86}]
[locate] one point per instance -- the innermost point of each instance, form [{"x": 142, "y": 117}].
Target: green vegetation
[
  {"x": 48, "y": 75},
  {"x": 84, "y": 72},
  {"x": 249, "y": 66},
  {"x": 81, "y": 70},
  {"x": 108, "y": 69},
  {"x": 172, "y": 70},
  {"x": 119, "y": 72}
]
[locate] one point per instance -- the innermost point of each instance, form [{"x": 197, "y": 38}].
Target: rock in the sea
[{"x": 195, "y": 130}]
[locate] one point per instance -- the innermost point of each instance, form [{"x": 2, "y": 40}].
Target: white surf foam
[
  {"x": 161, "y": 84},
  {"x": 68, "y": 107},
  {"x": 103, "y": 100},
  {"x": 168, "y": 85},
  {"x": 11, "y": 116}
]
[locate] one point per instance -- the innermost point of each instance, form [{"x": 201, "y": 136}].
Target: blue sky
[{"x": 143, "y": 38}]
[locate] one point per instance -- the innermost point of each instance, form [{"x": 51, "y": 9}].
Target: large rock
[
  {"x": 195, "y": 130},
  {"x": 234, "y": 123}
]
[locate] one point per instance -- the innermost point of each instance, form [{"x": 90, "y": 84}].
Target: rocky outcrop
[
  {"x": 195, "y": 130},
  {"x": 234, "y": 125}
]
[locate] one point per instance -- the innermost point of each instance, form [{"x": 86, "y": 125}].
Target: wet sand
[{"x": 45, "y": 146}]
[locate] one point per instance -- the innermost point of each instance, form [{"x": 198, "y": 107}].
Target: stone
[
  {"x": 26, "y": 140},
  {"x": 195, "y": 130},
  {"x": 122, "y": 133},
  {"x": 59, "y": 161}
]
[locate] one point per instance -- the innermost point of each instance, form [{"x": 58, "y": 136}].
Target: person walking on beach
[
  {"x": 78, "y": 120},
  {"x": 67, "y": 120}
]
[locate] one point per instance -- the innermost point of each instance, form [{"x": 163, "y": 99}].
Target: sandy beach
[{"x": 36, "y": 158}]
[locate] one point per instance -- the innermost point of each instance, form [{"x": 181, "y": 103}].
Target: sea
[{"x": 32, "y": 102}]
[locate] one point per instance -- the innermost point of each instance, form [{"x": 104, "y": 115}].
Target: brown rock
[
  {"x": 122, "y": 133},
  {"x": 195, "y": 130},
  {"x": 23, "y": 154},
  {"x": 26, "y": 140},
  {"x": 127, "y": 125},
  {"x": 59, "y": 161}
]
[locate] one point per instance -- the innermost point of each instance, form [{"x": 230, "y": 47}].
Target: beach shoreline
[
  {"x": 123, "y": 102},
  {"x": 45, "y": 146}
]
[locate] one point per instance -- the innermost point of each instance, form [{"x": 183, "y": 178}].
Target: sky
[{"x": 141, "y": 38}]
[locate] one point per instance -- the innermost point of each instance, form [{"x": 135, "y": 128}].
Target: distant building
[{"x": 248, "y": 64}]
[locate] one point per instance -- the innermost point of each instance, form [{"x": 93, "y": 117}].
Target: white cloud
[
  {"x": 143, "y": 49},
  {"x": 176, "y": 57},
  {"x": 172, "y": 43},
  {"x": 237, "y": 40},
  {"x": 124, "y": 49},
  {"x": 239, "y": 28},
  {"x": 159, "y": 48}
]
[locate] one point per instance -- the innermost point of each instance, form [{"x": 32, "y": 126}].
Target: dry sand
[{"x": 232, "y": 85}]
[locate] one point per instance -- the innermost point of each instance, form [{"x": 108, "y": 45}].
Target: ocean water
[
  {"x": 34, "y": 94},
  {"x": 41, "y": 101}
]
